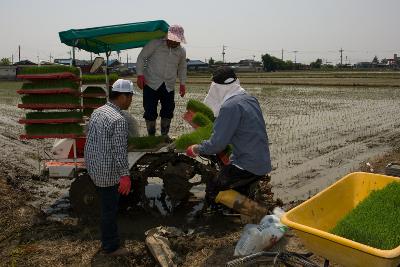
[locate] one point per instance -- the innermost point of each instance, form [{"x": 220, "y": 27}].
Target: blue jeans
[{"x": 109, "y": 198}]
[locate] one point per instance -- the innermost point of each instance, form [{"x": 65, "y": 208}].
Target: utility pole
[
  {"x": 127, "y": 61},
  {"x": 91, "y": 56},
  {"x": 50, "y": 58},
  {"x": 295, "y": 52},
  {"x": 12, "y": 59},
  {"x": 282, "y": 55},
  {"x": 19, "y": 53},
  {"x": 341, "y": 56},
  {"x": 223, "y": 53}
]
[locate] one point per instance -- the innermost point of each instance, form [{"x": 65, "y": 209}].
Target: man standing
[
  {"x": 158, "y": 65},
  {"x": 106, "y": 158},
  {"x": 239, "y": 121}
]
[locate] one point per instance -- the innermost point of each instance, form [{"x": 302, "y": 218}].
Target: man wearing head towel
[
  {"x": 239, "y": 121},
  {"x": 158, "y": 65}
]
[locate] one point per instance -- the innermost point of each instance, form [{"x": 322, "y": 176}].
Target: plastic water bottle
[{"x": 256, "y": 238}]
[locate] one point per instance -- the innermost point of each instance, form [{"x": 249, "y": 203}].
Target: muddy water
[{"x": 316, "y": 134}]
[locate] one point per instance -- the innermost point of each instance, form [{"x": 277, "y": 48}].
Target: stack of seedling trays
[
  {"x": 52, "y": 92},
  {"x": 94, "y": 91}
]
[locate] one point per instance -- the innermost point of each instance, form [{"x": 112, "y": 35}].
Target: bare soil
[{"x": 317, "y": 135}]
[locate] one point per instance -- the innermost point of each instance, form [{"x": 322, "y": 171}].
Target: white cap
[{"x": 123, "y": 86}]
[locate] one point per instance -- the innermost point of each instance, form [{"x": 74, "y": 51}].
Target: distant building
[
  {"x": 24, "y": 63},
  {"x": 67, "y": 62},
  {"x": 197, "y": 65},
  {"x": 248, "y": 65},
  {"x": 364, "y": 65},
  {"x": 8, "y": 72}
]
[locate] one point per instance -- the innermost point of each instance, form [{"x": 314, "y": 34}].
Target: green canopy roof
[{"x": 115, "y": 37}]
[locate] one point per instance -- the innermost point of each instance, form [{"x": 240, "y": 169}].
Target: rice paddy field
[
  {"x": 321, "y": 126},
  {"x": 317, "y": 134}
]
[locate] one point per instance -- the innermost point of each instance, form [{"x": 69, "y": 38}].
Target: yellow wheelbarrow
[{"x": 313, "y": 219}]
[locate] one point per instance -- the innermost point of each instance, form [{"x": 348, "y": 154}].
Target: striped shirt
[
  {"x": 161, "y": 64},
  {"x": 106, "y": 149}
]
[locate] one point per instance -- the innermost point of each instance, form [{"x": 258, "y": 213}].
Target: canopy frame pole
[
  {"x": 73, "y": 57},
  {"x": 108, "y": 53}
]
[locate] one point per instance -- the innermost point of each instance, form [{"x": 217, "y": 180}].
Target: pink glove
[
  {"x": 124, "y": 185},
  {"x": 140, "y": 81},
  {"x": 191, "y": 151},
  {"x": 182, "y": 90}
]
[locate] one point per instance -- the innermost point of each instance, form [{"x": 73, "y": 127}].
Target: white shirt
[{"x": 161, "y": 64}]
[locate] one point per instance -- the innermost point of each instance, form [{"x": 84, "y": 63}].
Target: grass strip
[
  {"x": 50, "y": 99},
  {"x": 51, "y": 84},
  {"x": 145, "y": 142},
  {"x": 54, "y": 115},
  {"x": 375, "y": 221},
  {"x": 197, "y": 106},
  {"x": 45, "y": 129},
  {"x": 99, "y": 78},
  {"x": 49, "y": 69},
  {"x": 196, "y": 137}
]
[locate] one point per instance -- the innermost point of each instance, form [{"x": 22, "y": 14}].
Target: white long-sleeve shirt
[{"x": 161, "y": 64}]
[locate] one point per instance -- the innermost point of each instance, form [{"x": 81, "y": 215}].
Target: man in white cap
[
  {"x": 106, "y": 158},
  {"x": 158, "y": 65}
]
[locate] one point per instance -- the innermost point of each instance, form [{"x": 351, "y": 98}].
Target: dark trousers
[
  {"x": 109, "y": 198},
  {"x": 231, "y": 177},
  {"x": 150, "y": 102}
]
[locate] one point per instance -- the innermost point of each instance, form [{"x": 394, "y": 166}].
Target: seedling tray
[
  {"x": 48, "y": 91},
  {"x": 49, "y": 121},
  {"x": 48, "y": 106},
  {"x": 49, "y": 76},
  {"x": 58, "y": 136}
]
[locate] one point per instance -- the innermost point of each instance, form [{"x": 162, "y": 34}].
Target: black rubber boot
[
  {"x": 151, "y": 127},
  {"x": 165, "y": 124}
]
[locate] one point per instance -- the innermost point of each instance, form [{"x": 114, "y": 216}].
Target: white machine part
[
  {"x": 61, "y": 148},
  {"x": 63, "y": 167}
]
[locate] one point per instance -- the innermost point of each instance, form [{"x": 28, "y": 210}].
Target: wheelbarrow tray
[{"x": 313, "y": 219}]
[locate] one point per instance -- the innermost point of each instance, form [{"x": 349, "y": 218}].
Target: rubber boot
[
  {"x": 151, "y": 127},
  {"x": 165, "y": 124}
]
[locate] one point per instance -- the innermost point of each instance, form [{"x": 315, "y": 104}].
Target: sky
[{"x": 248, "y": 29}]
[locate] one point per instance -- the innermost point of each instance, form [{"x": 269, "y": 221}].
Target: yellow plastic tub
[{"x": 314, "y": 218}]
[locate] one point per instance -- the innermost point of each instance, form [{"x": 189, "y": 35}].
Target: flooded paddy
[{"x": 316, "y": 134}]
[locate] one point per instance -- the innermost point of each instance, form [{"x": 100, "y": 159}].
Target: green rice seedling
[
  {"x": 45, "y": 129},
  {"x": 99, "y": 78},
  {"x": 94, "y": 90},
  {"x": 49, "y": 69},
  {"x": 201, "y": 120},
  {"x": 196, "y": 137},
  {"x": 197, "y": 106},
  {"x": 54, "y": 115},
  {"x": 50, "y": 99},
  {"x": 94, "y": 101},
  {"x": 145, "y": 142},
  {"x": 375, "y": 221},
  {"x": 50, "y": 84}
]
